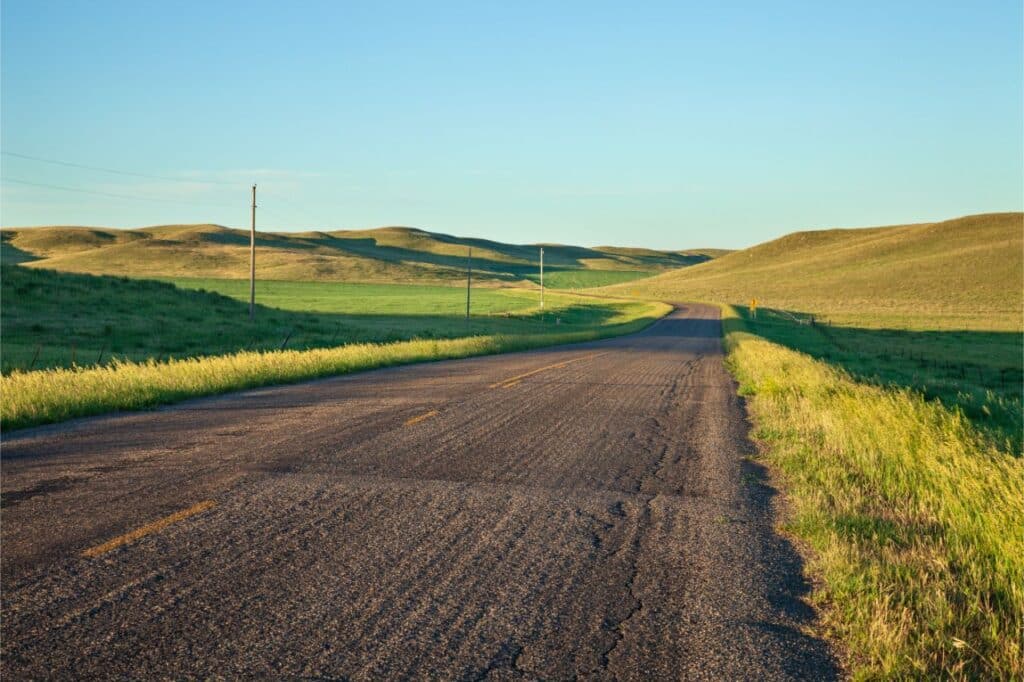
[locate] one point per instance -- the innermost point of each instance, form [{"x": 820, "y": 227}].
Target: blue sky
[{"x": 669, "y": 125}]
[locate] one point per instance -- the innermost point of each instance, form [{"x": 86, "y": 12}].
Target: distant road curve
[{"x": 576, "y": 511}]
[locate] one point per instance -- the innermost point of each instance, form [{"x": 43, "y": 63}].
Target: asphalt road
[{"x": 581, "y": 511}]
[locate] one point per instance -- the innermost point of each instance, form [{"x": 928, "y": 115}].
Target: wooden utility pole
[
  {"x": 469, "y": 278},
  {"x": 542, "y": 277},
  {"x": 252, "y": 259}
]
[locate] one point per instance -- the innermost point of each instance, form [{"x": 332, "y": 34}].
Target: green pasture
[{"x": 52, "y": 319}]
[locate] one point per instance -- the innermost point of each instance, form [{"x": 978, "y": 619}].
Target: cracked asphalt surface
[{"x": 580, "y": 511}]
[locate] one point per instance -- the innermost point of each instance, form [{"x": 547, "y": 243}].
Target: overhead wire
[
  {"x": 314, "y": 221},
  {"x": 114, "y": 171},
  {"x": 113, "y": 194}
]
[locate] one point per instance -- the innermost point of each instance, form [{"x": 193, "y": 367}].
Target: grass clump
[{"x": 915, "y": 516}]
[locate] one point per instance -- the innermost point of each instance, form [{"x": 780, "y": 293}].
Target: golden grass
[
  {"x": 967, "y": 273},
  {"x": 393, "y": 254},
  {"x": 915, "y": 518},
  {"x": 53, "y": 395}
]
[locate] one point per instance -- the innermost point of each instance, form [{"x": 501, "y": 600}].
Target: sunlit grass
[
  {"x": 53, "y": 395},
  {"x": 915, "y": 517},
  {"x": 55, "y": 319},
  {"x": 963, "y": 274},
  {"x": 384, "y": 255},
  {"x": 586, "y": 279},
  {"x": 977, "y": 372}
]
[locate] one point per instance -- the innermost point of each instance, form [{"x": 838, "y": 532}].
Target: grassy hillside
[
  {"x": 52, "y": 319},
  {"x": 914, "y": 517},
  {"x": 390, "y": 254},
  {"x": 967, "y": 271}
]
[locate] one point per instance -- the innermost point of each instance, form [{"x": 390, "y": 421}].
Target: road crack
[
  {"x": 506, "y": 658},
  {"x": 631, "y": 553}
]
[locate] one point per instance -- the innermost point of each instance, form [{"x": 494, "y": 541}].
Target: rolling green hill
[
  {"x": 968, "y": 271},
  {"x": 389, "y": 254}
]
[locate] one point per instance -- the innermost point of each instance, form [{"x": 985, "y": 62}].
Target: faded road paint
[
  {"x": 512, "y": 381},
  {"x": 417, "y": 420},
  {"x": 148, "y": 529}
]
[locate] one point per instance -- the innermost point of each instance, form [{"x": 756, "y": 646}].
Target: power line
[
  {"x": 315, "y": 222},
  {"x": 112, "y": 194},
  {"x": 70, "y": 164},
  {"x": 274, "y": 213}
]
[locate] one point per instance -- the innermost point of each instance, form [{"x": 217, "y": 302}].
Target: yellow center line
[
  {"x": 147, "y": 529},
  {"x": 512, "y": 381},
  {"x": 417, "y": 420}
]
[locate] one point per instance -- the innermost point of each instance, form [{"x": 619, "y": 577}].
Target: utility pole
[
  {"x": 252, "y": 260},
  {"x": 542, "y": 277},
  {"x": 469, "y": 278}
]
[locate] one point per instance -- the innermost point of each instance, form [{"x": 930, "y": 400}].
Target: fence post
[{"x": 285, "y": 342}]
